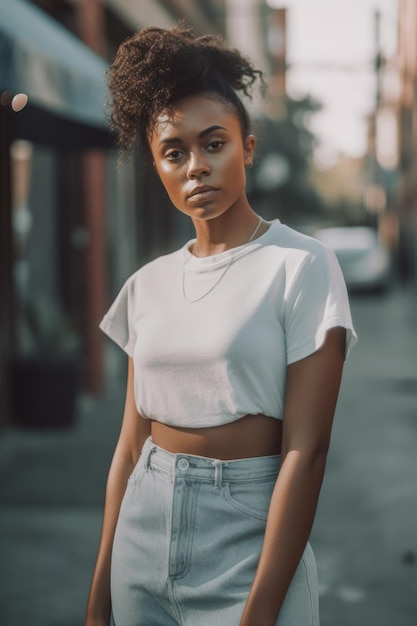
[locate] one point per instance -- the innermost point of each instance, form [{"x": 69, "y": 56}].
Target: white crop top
[{"x": 212, "y": 361}]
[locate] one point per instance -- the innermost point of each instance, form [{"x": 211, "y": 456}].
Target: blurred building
[
  {"x": 42, "y": 200},
  {"x": 382, "y": 165},
  {"x": 407, "y": 117},
  {"x": 260, "y": 32}
]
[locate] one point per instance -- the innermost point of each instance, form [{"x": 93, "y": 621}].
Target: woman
[{"x": 236, "y": 344}]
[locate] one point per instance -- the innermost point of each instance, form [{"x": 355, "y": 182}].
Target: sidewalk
[{"x": 51, "y": 499}]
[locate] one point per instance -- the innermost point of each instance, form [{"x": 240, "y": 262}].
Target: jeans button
[{"x": 183, "y": 464}]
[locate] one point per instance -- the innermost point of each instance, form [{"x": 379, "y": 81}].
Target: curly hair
[{"x": 156, "y": 67}]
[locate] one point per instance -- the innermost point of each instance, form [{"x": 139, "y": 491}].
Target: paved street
[
  {"x": 51, "y": 497},
  {"x": 365, "y": 536}
]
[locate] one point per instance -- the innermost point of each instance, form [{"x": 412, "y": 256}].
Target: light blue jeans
[{"x": 188, "y": 541}]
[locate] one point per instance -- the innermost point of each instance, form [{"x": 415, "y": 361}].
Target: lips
[{"x": 203, "y": 191}]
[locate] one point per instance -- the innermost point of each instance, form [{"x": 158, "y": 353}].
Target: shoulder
[
  {"x": 300, "y": 251},
  {"x": 294, "y": 240}
]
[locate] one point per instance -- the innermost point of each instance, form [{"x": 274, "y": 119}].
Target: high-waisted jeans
[{"x": 188, "y": 541}]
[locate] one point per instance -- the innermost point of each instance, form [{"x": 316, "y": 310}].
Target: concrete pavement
[
  {"x": 51, "y": 498},
  {"x": 365, "y": 534}
]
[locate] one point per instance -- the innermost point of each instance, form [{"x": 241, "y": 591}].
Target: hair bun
[{"x": 156, "y": 66}]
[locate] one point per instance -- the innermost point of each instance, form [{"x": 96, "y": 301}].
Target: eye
[
  {"x": 174, "y": 155},
  {"x": 215, "y": 145}
]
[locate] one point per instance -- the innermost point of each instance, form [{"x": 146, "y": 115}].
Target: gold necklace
[{"x": 222, "y": 275}]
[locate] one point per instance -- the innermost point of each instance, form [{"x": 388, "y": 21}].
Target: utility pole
[{"x": 375, "y": 197}]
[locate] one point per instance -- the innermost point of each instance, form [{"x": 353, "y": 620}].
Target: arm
[
  {"x": 135, "y": 429},
  {"x": 311, "y": 394}
]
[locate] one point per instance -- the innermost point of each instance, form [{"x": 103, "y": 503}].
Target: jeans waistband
[{"x": 210, "y": 470}]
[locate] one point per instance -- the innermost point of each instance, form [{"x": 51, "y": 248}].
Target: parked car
[{"x": 363, "y": 258}]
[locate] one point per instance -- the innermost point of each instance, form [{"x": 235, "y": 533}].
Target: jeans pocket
[
  {"x": 137, "y": 473},
  {"x": 251, "y": 497}
]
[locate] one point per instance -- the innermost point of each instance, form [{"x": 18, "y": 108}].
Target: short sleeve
[
  {"x": 316, "y": 302},
  {"x": 117, "y": 323}
]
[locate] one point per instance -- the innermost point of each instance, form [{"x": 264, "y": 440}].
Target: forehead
[{"x": 194, "y": 114}]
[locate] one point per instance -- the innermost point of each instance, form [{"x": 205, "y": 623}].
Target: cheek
[
  {"x": 235, "y": 158},
  {"x": 164, "y": 168},
  {"x": 163, "y": 171},
  {"x": 235, "y": 168},
  {"x": 166, "y": 174},
  {"x": 170, "y": 179}
]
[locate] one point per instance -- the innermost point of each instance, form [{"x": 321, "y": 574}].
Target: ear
[{"x": 249, "y": 149}]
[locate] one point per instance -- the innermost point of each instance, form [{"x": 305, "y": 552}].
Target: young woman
[{"x": 236, "y": 344}]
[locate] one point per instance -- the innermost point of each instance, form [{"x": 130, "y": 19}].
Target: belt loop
[
  {"x": 148, "y": 460},
  {"x": 218, "y": 467}
]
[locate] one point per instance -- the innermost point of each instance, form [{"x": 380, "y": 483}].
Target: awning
[{"x": 41, "y": 58}]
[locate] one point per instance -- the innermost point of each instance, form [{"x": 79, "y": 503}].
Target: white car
[{"x": 364, "y": 260}]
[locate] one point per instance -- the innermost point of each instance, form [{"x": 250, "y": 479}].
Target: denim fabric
[{"x": 188, "y": 540}]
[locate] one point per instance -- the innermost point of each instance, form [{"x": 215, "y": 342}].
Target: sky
[{"x": 331, "y": 47}]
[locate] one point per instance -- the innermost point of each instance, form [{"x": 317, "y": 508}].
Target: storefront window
[{"x": 41, "y": 323}]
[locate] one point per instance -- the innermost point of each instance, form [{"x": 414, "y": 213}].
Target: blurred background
[{"x": 337, "y": 159}]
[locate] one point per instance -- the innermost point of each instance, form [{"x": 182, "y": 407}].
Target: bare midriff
[{"x": 250, "y": 436}]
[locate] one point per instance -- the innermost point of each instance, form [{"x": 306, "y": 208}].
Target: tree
[{"x": 280, "y": 182}]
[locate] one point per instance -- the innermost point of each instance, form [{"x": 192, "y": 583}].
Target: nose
[{"x": 197, "y": 166}]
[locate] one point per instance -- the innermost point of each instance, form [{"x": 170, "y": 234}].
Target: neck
[{"x": 223, "y": 233}]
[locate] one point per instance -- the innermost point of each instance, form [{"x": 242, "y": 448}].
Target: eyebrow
[{"x": 204, "y": 133}]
